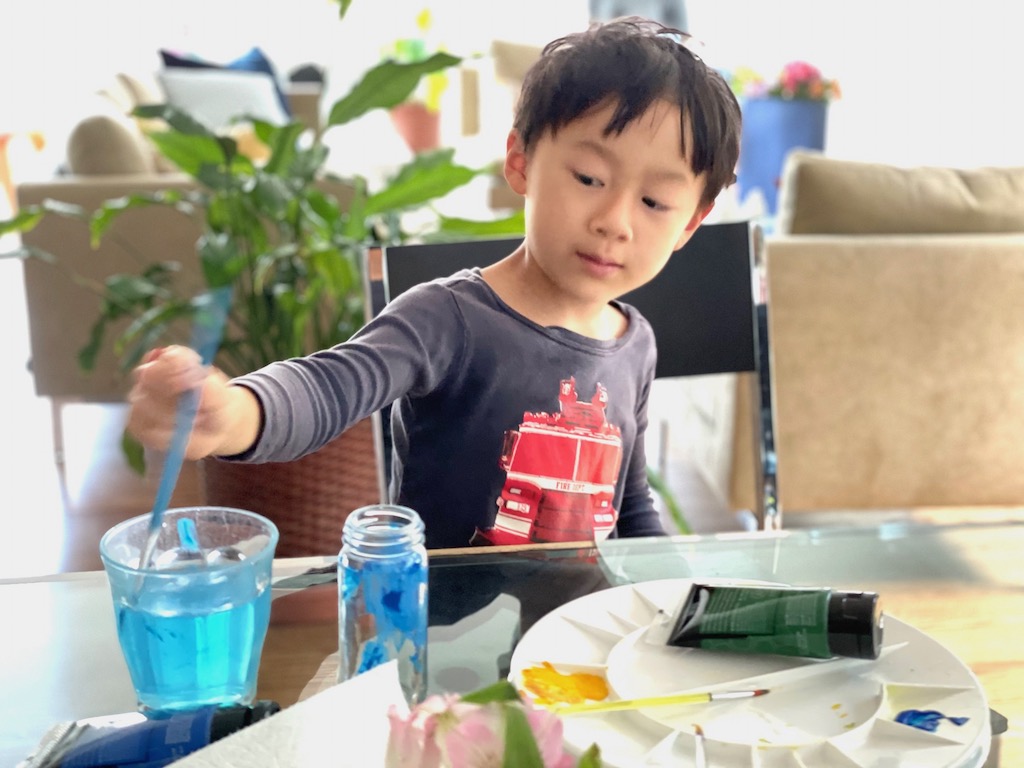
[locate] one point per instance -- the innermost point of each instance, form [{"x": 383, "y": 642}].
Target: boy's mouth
[{"x": 599, "y": 262}]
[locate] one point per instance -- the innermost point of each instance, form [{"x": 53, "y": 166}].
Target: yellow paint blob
[{"x": 549, "y": 686}]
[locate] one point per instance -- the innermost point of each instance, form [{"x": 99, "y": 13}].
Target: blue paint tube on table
[
  {"x": 159, "y": 739},
  {"x": 814, "y": 622}
]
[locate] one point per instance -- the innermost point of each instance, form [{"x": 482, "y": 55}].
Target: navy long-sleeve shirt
[{"x": 463, "y": 369}]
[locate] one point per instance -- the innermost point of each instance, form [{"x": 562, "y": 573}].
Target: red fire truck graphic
[{"x": 561, "y": 471}]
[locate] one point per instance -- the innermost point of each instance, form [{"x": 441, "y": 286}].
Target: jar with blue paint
[{"x": 382, "y": 595}]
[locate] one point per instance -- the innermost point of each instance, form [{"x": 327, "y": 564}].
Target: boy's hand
[{"x": 228, "y": 417}]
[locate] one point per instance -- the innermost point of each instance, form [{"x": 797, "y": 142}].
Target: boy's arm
[
  {"x": 244, "y": 422},
  {"x": 409, "y": 348},
  {"x": 638, "y": 516}
]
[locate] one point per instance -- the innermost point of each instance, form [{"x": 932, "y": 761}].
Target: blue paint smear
[
  {"x": 927, "y": 719},
  {"x": 394, "y": 594}
]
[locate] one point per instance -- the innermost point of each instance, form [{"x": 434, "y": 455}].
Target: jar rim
[{"x": 383, "y": 525}]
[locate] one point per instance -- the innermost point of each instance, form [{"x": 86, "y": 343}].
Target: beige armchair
[
  {"x": 61, "y": 297},
  {"x": 897, "y": 336}
]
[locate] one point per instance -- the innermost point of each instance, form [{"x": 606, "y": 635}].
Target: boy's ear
[
  {"x": 698, "y": 216},
  {"x": 515, "y": 163}
]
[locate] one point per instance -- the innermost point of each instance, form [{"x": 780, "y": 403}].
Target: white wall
[
  {"x": 924, "y": 81},
  {"x": 57, "y": 53}
]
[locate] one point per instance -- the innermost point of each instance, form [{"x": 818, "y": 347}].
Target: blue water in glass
[{"x": 180, "y": 657}]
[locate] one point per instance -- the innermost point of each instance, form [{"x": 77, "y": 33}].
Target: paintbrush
[
  {"x": 655, "y": 701},
  {"x": 700, "y": 753},
  {"x": 207, "y": 330}
]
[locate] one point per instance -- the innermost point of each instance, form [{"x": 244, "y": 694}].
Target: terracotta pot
[
  {"x": 307, "y": 499},
  {"x": 418, "y": 126}
]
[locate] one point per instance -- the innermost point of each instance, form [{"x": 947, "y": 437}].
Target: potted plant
[
  {"x": 417, "y": 118},
  {"x": 779, "y": 116},
  {"x": 287, "y": 237}
]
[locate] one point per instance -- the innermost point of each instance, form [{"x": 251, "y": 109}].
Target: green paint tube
[{"x": 791, "y": 621}]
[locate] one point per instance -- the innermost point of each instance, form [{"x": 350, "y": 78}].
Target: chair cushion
[
  {"x": 104, "y": 144},
  {"x": 216, "y": 96},
  {"x": 821, "y": 195},
  {"x": 254, "y": 60},
  {"x": 141, "y": 90}
]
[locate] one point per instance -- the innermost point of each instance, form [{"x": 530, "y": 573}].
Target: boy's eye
[
  {"x": 653, "y": 204},
  {"x": 587, "y": 181}
]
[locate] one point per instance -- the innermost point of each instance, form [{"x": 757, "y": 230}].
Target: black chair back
[{"x": 701, "y": 305}]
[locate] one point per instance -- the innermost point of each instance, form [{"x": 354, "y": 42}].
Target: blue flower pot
[{"x": 771, "y": 129}]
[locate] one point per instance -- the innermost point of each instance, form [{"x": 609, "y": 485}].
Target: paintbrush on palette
[
  {"x": 700, "y": 755},
  {"x": 656, "y": 701}
]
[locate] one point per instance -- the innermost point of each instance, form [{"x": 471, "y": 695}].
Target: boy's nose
[{"x": 612, "y": 219}]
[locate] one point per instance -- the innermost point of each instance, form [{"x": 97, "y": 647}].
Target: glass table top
[{"x": 962, "y": 584}]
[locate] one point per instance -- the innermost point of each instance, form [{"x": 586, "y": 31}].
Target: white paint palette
[{"x": 838, "y": 713}]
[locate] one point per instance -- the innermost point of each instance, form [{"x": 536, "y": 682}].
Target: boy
[{"x": 520, "y": 390}]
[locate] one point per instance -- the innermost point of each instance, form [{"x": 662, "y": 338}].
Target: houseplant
[{"x": 285, "y": 235}]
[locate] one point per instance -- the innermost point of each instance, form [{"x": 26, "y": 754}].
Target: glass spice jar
[{"x": 382, "y": 595}]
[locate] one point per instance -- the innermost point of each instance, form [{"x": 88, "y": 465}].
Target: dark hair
[{"x": 635, "y": 61}]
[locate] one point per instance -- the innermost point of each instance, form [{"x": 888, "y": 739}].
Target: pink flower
[
  {"x": 547, "y": 729},
  {"x": 478, "y": 739},
  {"x": 411, "y": 740},
  {"x": 797, "y": 73},
  {"x": 797, "y": 80},
  {"x": 446, "y": 732}
]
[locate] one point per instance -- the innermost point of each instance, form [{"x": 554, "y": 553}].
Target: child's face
[{"x": 604, "y": 213}]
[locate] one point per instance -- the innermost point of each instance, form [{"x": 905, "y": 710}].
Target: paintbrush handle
[
  {"x": 624, "y": 704},
  {"x": 658, "y": 701},
  {"x": 188, "y": 405},
  {"x": 207, "y": 332}
]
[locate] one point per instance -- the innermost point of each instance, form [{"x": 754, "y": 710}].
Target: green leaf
[
  {"x": 417, "y": 183},
  {"x": 272, "y": 195},
  {"x": 423, "y": 161},
  {"x": 190, "y": 151},
  {"x": 502, "y": 690},
  {"x": 220, "y": 259},
  {"x": 591, "y": 758},
  {"x": 25, "y": 220},
  {"x": 148, "y": 330},
  {"x": 521, "y": 749},
  {"x": 87, "y": 354},
  {"x": 660, "y": 486},
  {"x": 107, "y": 213},
  {"x": 343, "y": 7},
  {"x": 355, "y": 226},
  {"x": 127, "y": 294},
  {"x": 29, "y": 216},
  {"x": 180, "y": 121},
  {"x": 70, "y": 210},
  {"x": 385, "y": 85},
  {"x": 515, "y": 224},
  {"x": 283, "y": 152},
  {"x": 26, "y": 253},
  {"x": 133, "y": 452}
]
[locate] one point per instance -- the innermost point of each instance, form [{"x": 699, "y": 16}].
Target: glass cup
[{"x": 192, "y": 624}]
